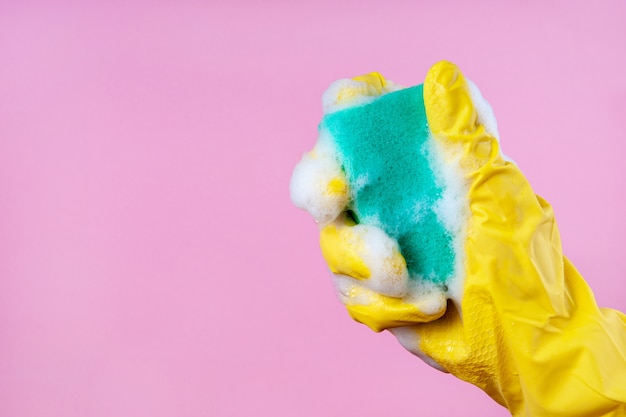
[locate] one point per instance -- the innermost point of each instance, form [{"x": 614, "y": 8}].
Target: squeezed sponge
[{"x": 385, "y": 152}]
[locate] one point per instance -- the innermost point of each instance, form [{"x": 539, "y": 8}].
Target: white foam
[
  {"x": 485, "y": 115},
  {"x": 309, "y": 182},
  {"x": 380, "y": 254},
  {"x": 360, "y": 93},
  {"x": 359, "y": 183},
  {"x": 409, "y": 338},
  {"x": 484, "y": 111},
  {"x": 427, "y": 296},
  {"x": 452, "y": 209},
  {"x": 420, "y": 209}
]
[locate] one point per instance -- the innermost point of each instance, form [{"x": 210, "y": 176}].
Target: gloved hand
[{"x": 512, "y": 316}]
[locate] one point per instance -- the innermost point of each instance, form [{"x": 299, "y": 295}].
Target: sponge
[{"x": 384, "y": 150}]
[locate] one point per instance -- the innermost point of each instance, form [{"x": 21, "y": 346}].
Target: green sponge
[{"x": 385, "y": 153}]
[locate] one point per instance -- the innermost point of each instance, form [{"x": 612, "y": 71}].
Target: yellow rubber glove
[{"x": 521, "y": 324}]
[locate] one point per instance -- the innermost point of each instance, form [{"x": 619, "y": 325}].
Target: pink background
[{"x": 151, "y": 263}]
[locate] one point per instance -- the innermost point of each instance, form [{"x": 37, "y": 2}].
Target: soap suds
[
  {"x": 309, "y": 185},
  {"x": 381, "y": 254},
  {"x": 409, "y": 338},
  {"x": 346, "y": 93},
  {"x": 452, "y": 208},
  {"x": 485, "y": 114}
]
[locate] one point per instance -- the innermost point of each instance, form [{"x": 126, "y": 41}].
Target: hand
[{"x": 512, "y": 316}]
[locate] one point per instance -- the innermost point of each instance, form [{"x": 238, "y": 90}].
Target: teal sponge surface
[{"x": 384, "y": 152}]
